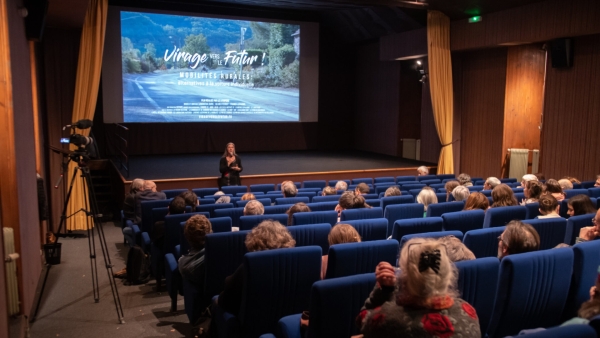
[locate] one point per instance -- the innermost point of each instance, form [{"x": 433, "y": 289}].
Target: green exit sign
[{"x": 475, "y": 19}]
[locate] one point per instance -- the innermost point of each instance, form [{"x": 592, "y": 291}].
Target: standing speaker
[{"x": 562, "y": 53}]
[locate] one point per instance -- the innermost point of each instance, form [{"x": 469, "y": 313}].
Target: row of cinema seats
[{"x": 524, "y": 291}]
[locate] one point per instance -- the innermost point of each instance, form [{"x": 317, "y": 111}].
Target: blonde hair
[
  {"x": 427, "y": 197},
  {"x": 341, "y": 185},
  {"x": 329, "y": 191},
  {"x": 269, "y": 234},
  {"x": 343, "y": 233},
  {"x": 248, "y": 196},
  {"x": 254, "y": 207},
  {"x": 392, "y": 191},
  {"x": 417, "y": 286}
]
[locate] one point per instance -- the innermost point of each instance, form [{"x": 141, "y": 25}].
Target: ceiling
[{"x": 350, "y": 21}]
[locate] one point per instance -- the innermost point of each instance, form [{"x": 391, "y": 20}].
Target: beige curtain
[
  {"x": 440, "y": 83},
  {"x": 86, "y": 94}
]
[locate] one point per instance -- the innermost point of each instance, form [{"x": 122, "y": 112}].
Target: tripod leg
[
  {"x": 104, "y": 247},
  {"x": 91, "y": 240}
]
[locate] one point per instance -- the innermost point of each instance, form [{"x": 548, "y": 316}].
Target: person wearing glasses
[
  {"x": 517, "y": 238},
  {"x": 421, "y": 301},
  {"x": 591, "y": 232}
]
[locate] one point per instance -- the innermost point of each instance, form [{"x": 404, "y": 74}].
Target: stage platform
[{"x": 202, "y": 170}]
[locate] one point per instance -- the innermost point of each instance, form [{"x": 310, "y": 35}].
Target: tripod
[{"x": 90, "y": 208}]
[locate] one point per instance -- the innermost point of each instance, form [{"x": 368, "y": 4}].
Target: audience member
[
  {"x": 298, "y": 207},
  {"x": 422, "y": 171},
  {"x": 149, "y": 193},
  {"x": 340, "y": 233},
  {"x": 267, "y": 235},
  {"x": 517, "y": 238},
  {"x": 223, "y": 199},
  {"x": 597, "y": 183},
  {"x": 503, "y": 196},
  {"x": 465, "y": 179},
  {"x": 526, "y": 178},
  {"x": 392, "y": 191},
  {"x": 591, "y": 232},
  {"x": 350, "y": 201},
  {"x": 553, "y": 188},
  {"x": 460, "y": 193},
  {"x": 191, "y": 264},
  {"x": 580, "y": 205},
  {"x": 540, "y": 176},
  {"x": 491, "y": 183},
  {"x": 254, "y": 207},
  {"x": 191, "y": 199},
  {"x": 548, "y": 207},
  {"x": 476, "y": 201},
  {"x": 329, "y": 191},
  {"x": 137, "y": 185},
  {"x": 449, "y": 186},
  {"x": 248, "y": 196},
  {"x": 565, "y": 184},
  {"x": 426, "y": 197},
  {"x": 157, "y": 235},
  {"x": 341, "y": 186},
  {"x": 422, "y": 301},
  {"x": 288, "y": 189},
  {"x": 456, "y": 250},
  {"x": 361, "y": 189},
  {"x": 532, "y": 192},
  {"x": 573, "y": 180}
]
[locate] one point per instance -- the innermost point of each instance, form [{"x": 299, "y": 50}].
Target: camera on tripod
[{"x": 80, "y": 155}]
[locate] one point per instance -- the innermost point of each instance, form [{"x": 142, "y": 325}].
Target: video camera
[{"x": 79, "y": 155}]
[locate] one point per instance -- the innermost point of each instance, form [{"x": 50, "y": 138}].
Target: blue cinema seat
[
  {"x": 551, "y": 230},
  {"x": 311, "y": 234},
  {"x": 397, "y": 212},
  {"x": 315, "y": 217},
  {"x": 500, "y": 216},
  {"x": 464, "y": 220},
  {"x": 249, "y": 222},
  {"x": 438, "y": 209},
  {"x": 483, "y": 242},
  {"x": 370, "y": 229},
  {"x": 416, "y": 226},
  {"x": 362, "y": 213},
  {"x": 355, "y": 258}
]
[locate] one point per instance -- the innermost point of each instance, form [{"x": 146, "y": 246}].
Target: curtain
[
  {"x": 440, "y": 83},
  {"x": 86, "y": 93}
]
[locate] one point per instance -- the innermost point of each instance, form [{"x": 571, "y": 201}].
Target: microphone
[{"x": 81, "y": 124}]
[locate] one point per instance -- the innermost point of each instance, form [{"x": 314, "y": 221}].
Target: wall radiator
[
  {"x": 12, "y": 286},
  {"x": 411, "y": 148}
]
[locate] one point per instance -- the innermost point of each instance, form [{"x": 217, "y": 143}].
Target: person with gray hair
[
  {"x": 526, "y": 178},
  {"x": 137, "y": 185},
  {"x": 491, "y": 183},
  {"x": 148, "y": 194},
  {"x": 422, "y": 171},
  {"x": 288, "y": 189},
  {"x": 392, "y": 191},
  {"x": 565, "y": 184},
  {"x": 465, "y": 179},
  {"x": 341, "y": 186},
  {"x": 461, "y": 193},
  {"x": 254, "y": 207}
]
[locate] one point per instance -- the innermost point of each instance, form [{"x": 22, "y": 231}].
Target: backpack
[{"x": 138, "y": 266}]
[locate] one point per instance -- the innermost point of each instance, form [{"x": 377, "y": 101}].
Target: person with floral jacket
[{"x": 421, "y": 301}]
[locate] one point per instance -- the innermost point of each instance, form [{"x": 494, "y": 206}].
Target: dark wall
[
  {"x": 570, "y": 134},
  {"x": 479, "y": 86}
]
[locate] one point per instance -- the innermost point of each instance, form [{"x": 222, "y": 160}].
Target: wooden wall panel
[
  {"x": 376, "y": 98},
  {"x": 479, "y": 95},
  {"x": 409, "y": 44},
  {"x": 409, "y": 99},
  {"x": 524, "y": 98},
  {"x": 536, "y": 22},
  {"x": 570, "y": 134}
]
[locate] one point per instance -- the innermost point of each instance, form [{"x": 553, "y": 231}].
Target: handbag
[{"x": 201, "y": 328}]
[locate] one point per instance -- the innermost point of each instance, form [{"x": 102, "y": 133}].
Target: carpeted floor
[{"x": 68, "y": 308}]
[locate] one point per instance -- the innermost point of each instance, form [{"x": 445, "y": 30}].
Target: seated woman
[
  {"x": 298, "y": 207},
  {"x": 476, "y": 201},
  {"x": 548, "y": 207},
  {"x": 350, "y": 201},
  {"x": 329, "y": 191},
  {"x": 392, "y": 191},
  {"x": 553, "y": 188},
  {"x": 420, "y": 302},
  {"x": 248, "y": 196},
  {"x": 426, "y": 197},
  {"x": 191, "y": 264},
  {"x": 532, "y": 192},
  {"x": 267, "y": 235},
  {"x": 503, "y": 196},
  {"x": 460, "y": 193},
  {"x": 449, "y": 186},
  {"x": 580, "y": 205},
  {"x": 340, "y": 233}
]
